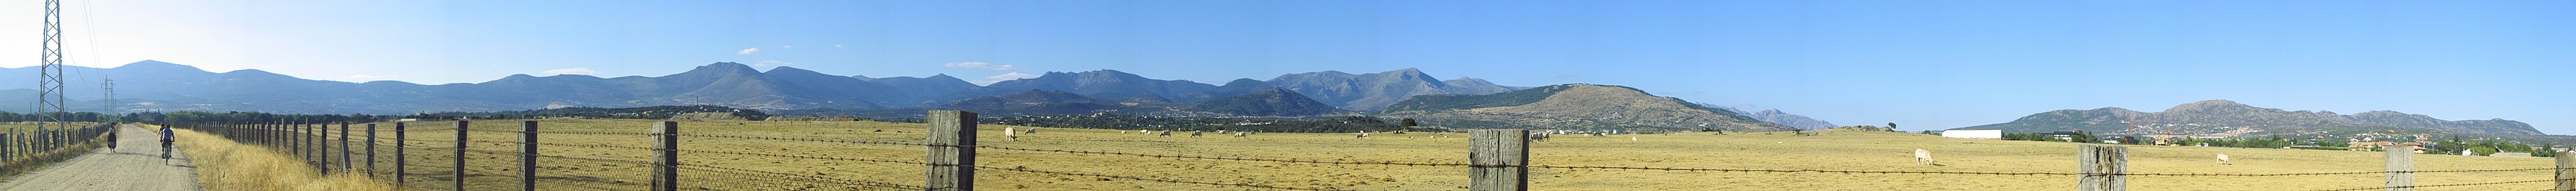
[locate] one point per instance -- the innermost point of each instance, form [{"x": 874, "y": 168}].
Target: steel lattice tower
[
  {"x": 49, "y": 104},
  {"x": 110, "y": 86}
]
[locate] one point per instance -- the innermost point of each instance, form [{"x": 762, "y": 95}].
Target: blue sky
[{"x": 1922, "y": 64}]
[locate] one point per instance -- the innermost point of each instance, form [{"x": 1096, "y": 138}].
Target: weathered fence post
[
  {"x": 322, "y": 140},
  {"x": 952, "y": 150},
  {"x": 371, "y": 150},
  {"x": 666, "y": 156},
  {"x": 1498, "y": 159},
  {"x": 2566, "y": 177},
  {"x": 312, "y": 148},
  {"x": 528, "y": 155},
  {"x": 345, "y": 151},
  {"x": 2401, "y": 168},
  {"x": 460, "y": 154},
  {"x": 2104, "y": 168},
  {"x": 400, "y": 144}
]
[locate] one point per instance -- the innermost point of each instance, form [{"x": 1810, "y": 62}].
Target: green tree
[
  {"x": 1408, "y": 122},
  {"x": 2482, "y": 150}
]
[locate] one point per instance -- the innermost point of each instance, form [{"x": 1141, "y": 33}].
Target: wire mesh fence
[{"x": 624, "y": 157}]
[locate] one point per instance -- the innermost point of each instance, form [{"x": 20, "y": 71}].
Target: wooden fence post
[
  {"x": 528, "y": 155},
  {"x": 952, "y": 150},
  {"x": 2566, "y": 177},
  {"x": 304, "y": 139},
  {"x": 1498, "y": 159},
  {"x": 400, "y": 144},
  {"x": 666, "y": 156},
  {"x": 460, "y": 154},
  {"x": 2104, "y": 168},
  {"x": 322, "y": 139},
  {"x": 2401, "y": 168},
  {"x": 371, "y": 150},
  {"x": 345, "y": 150}
]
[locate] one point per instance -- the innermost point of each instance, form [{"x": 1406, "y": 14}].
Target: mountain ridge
[{"x": 2228, "y": 118}]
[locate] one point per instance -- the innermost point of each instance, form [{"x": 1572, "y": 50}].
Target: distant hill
[
  {"x": 1272, "y": 102},
  {"x": 1035, "y": 102},
  {"x": 1783, "y": 118},
  {"x": 1573, "y": 106},
  {"x": 1372, "y": 91},
  {"x": 2228, "y": 118}
]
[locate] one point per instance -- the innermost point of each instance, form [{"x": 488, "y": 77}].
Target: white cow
[
  {"x": 1010, "y": 133},
  {"x": 1194, "y": 133},
  {"x": 2222, "y": 160},
  {"x": 1363, "y": 135},
  {"x": 1241, "y": 134},
  {"x": 1922, "y": 157}
]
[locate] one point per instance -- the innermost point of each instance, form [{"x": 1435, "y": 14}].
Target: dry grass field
[
  {"x": 223, "y": 164},
  {"x": 1834, "y": 150},
  {"x": 20, "y": 164}
]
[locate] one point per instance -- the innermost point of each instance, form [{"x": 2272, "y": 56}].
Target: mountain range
[
  {"x": 162, "y": 86},
  {"x": 2223, "y": 118},
  {"x": 1574, "y": 106}
]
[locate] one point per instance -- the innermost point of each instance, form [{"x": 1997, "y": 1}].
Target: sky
[{"x": 1922, "y": 64}]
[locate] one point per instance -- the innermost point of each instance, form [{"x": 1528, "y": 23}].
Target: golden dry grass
[
  {"x": 1835, "y": 150},
  {"x": 224, "y": 164},
  {"x": 18, "y": 164}
]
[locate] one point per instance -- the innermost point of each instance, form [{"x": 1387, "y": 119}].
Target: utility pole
[
  {"x": 110, "y": 85},
  {"x": 49, "y": 104}
]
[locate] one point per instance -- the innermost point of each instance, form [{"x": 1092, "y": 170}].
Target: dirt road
[{"x": 136, "y": 164}]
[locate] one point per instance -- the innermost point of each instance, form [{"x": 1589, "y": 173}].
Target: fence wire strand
[
  {"x": 1026, "y": 170},
  {"x": 1292, "y": 160},
  {"x": 804, "y": 157},
  {"x": 807, "y": 140},
  {"x": 2443, "y": 185},
  {"x": 797, "y": 177}
]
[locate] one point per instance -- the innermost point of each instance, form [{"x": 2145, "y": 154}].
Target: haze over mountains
[
  {"x": 161, "y": 86},
  {"x": 1575, "y": 106},
  {"x": 2228, "y": 118}
]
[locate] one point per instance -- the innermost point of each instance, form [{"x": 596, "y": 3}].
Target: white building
[{"x": 1974, "y": 134}]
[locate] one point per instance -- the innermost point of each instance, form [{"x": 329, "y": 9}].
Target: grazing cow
[
  {"x": 1122, "y": 132},
  {"x": 1241, "y": 134},
  {"x": 1194, "y": 133},
  {"x": 1538, "y": 136},
  {"x": 1363, "y": 135},
  {"x": 1922, "y": 157},
  {"x": 1632, "y": 139},
  {"x": 2222, "y": 160},
  {"x": 1165, "y": 133},
  {"x": 1032, "y": 130},
  {"x": 1010, "y": 134}
]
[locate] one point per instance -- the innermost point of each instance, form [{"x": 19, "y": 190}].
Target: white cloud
[
  {"x": 788, "y": 46},
  {"x": 836, "y": 45},
  {"x": 980, "y": 65},
  {"x": 748, "y": 51},
  {"x": 769, "y": 63},
  {"x": 581, "y": 71},
  {"x": 363, "y": 77},
  {"x": 1005, "y": 77}
]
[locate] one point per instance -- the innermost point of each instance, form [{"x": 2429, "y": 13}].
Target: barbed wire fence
[{"x": 1498, "y": 160}]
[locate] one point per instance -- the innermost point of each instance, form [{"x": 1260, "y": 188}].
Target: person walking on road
[{"x": 111, "y": 137}]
